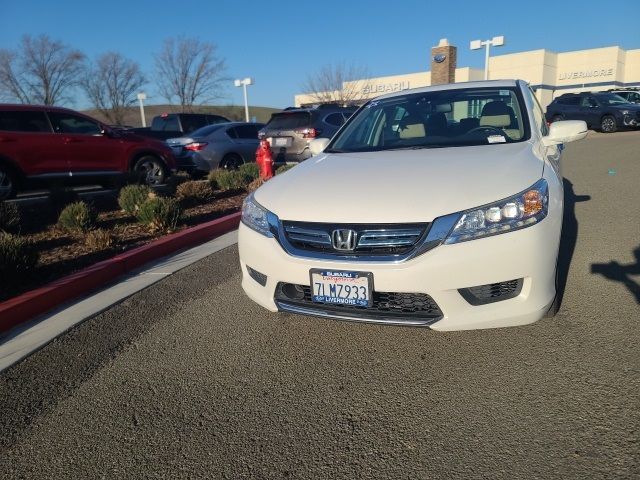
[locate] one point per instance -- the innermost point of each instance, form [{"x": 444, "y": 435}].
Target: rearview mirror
[
  {"x": 565, "y": 131},
  {"x": 317, "y": 145}
]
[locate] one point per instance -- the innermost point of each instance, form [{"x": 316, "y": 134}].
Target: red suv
[{"x": 40, "y": 145}]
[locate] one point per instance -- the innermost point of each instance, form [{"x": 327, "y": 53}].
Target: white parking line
[{"x": 31, "y": 336}]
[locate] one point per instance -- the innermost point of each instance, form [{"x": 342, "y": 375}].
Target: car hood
[{"x": 401, "y": 186}]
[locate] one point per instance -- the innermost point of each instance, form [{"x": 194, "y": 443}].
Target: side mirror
[
  {"x": 317, "y": 145},
  {"x": 565, "y": 131},
  {"x": 107, "y": 132}
]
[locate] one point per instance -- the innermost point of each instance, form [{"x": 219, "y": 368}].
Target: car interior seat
[
  {"x": 412, "y": 126},
  {"x": 500, "y": 115}
]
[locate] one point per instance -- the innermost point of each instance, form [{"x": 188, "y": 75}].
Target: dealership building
[{"x": 549, "y": 73}]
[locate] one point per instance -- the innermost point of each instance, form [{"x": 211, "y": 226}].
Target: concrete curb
[{"x": 36, "y": 302}]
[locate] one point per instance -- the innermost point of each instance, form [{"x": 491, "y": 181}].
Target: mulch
[{"x": 61, "y": 253}]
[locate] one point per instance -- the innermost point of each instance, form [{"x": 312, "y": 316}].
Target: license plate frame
[
  {"x": 357, "y": 276},
  {"x": 281, "y": 141}
]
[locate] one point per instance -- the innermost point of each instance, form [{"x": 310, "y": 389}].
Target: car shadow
[
  {"x": 569, "y": 235},
  {"x": 621, "y": 273}
]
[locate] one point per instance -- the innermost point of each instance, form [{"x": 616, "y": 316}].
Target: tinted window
[
  {"x": 610, "y": 99},
  {"x": 289, "y": 121},
  {"x": 335, "y": 119},
  {"x": 247, "y": 131},
  {"x": 205, "y": 131},
  {"x": 569, "y": 100},
  {"x": 167, "y": 124},
  {"x": 69, "y": 123},
  {"x": 232, "y": 132},
  {"x": 211, "y": 119},
  {"x": 23, "y": 121},
  {"x": 192, "y": 122},
  {"x": 538, "y": 115},
  {"x": 588, "y": 102}
]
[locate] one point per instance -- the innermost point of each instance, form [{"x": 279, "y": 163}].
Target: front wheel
[
  {"x": 150, "y": 171},
  {"x": 7, "y": 184},
  {"x": 231, "y": 161},
  {"x": 608, "y": 124}
]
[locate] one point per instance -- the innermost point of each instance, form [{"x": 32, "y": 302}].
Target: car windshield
[
  {"x": 205, "y": 131},
  {"x": 446, "y": 118},
  {"x": 611, "y": 99}
]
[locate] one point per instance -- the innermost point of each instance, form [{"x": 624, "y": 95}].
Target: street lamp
[
  {"x": 478, "y": 44},
  {"x": 142, "y": 96},
  {"x": 243, "y": 83}
]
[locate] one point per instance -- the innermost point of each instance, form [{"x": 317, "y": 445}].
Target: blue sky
[{"x": 279, "y": 42}]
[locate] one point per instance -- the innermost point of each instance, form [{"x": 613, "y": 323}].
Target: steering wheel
[{"x": 486, "y": 127}]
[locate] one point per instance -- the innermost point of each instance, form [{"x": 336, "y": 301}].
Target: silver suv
[{"x": 289, "y": 132}]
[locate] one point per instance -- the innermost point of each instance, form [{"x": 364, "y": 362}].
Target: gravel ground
[{"x": 190, "y": 379}]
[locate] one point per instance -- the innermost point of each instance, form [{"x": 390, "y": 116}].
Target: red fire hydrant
[{"x": 264, "y": 159}]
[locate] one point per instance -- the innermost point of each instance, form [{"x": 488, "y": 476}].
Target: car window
[
  {"x": 588, "y": 102},
  {"x": 247, "y": 131},
  {"x": 538, "y": 114},
  {"x": 289, "y": 120},
  {"x": 24, "y": 121},
  {"x": 232, "y": 132},
  {"x": 446, "y": 118},
  {"x": 205, "y": 131},
  {"x": 335, "y": 119},
  {"x": 74, "y": 124},
  {"x": 573, "y": 100},
  {"x": 167, "y": 123},
  {"x": 611, "y": 99},
  {"x": 191, "y": 123}
]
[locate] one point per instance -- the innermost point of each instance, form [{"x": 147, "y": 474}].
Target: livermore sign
[{"x": 598, "y": 72}]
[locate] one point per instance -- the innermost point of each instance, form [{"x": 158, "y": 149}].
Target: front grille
[
  {"x": 370, "y": 239},
  {"x": 492, "y": 292},
  {"x": 386, "y": 305}
]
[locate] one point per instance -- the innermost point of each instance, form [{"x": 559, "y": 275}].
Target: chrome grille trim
[
  {"x": 389, "y": 237},
  {"x": 306, "y": 235}
]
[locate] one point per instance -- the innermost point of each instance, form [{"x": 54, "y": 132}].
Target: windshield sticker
[{"x": 496, "y": 139}]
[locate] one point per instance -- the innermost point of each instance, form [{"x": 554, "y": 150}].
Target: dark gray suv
[{"x": 290, "y": 131}]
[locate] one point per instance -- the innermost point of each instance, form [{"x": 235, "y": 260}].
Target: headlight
[
  {"x": 520, "y": 211},
  {"x": 255, "y": 216}
]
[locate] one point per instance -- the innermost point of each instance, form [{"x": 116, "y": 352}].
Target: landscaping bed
[{"x": 67, "y": 235}]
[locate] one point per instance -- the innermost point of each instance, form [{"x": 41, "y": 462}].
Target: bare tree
[
  {"x": 41, "y": 70},
  {"x": 190, "y": 71},
  {"x": 111, "y": 85},
  {"x": 336, "y": 83}
]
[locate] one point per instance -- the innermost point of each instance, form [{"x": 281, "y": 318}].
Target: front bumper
[{"x": 529, "y": 254}]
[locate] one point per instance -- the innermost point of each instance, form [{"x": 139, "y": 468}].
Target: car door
[
  {"x": 26, "y": 138},
  {"x": 246, "y": 140},
  {"x": 88, "y": 149},
  {"x": 589, "y": 110}
]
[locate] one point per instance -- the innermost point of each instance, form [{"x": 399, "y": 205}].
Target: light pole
[
  {"x": 141, "y": 97},
  {"x": 478, "y": 44},
  {"x": 243, "y": 83}
]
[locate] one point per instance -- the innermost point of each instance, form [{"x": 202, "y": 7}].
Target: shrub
[
  {"x": 253, "y": 186},
  {"x": 250, "y": 171},
  {"x": 132, "y": 196},
  {"x": 99, "y": 239},
  {"x": 9, "y": 217},
  {"x": 77, "y": 217},
  {"x": 159, "y": 214},
  {"x": 17, "y": 260},
  {"x": 194, "y": 192},
  {"x": 177, "y": 179},
  {"x": 228, "y": 180},
  {"x": 284, "y": 168}
]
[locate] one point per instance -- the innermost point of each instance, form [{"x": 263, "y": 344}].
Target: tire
[
  {"x": 8, "y": 186},
  {"x": 231, "y": 161},
  {"x": 608, "y": 124},
  {"x": 150, "y": 170}
]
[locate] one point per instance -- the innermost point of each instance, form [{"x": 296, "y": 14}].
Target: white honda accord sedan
[{"x": 439, "y": 206}]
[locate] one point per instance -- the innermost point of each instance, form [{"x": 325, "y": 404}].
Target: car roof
[{"x": 453, "y": 86}]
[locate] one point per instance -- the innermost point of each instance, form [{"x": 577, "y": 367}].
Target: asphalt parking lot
[{"x": 188, "y": 378}]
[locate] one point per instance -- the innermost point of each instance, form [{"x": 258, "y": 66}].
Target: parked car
[
  {"x": 601, "y": 110},
  {"x": 440, "y": 206},
  {"x": 224, "y": 145},
  {"x": 631, "y": 95},
  {"x": 171, "y": 125},
  {"x": 40, "y": 145},
  {"x": 289, "y": 132}
]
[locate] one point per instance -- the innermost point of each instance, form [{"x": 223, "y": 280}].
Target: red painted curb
[{"x": 36, "y": 302}]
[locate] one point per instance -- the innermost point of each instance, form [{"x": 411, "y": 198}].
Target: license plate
[
  {"x": 341, "y": 287},
  {"x": 281, "y": 141}
]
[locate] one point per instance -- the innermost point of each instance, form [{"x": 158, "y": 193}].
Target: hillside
[{"x": 232, "y": 112}]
